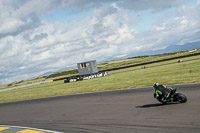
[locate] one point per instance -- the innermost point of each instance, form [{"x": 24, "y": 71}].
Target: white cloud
[
  {"x": 198, "y": 1},
  {"x": 31, "y": 46},
  {"x": 10, "y": 25},
  {"x": 160, "y": 28},
  {"x": 155, "y": 5}
]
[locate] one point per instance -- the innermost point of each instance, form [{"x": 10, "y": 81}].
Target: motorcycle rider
[{"x": 163, "y": 93}]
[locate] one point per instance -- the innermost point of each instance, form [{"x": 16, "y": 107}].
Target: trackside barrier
[{"x": 86, "y": 77}]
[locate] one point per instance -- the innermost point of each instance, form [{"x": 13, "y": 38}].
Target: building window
[{"x": 84, "y": 65}]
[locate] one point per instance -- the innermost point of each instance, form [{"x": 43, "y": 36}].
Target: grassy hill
[
  {"x": 131, "y": 77},
  {"x": 109, "y": 65}
]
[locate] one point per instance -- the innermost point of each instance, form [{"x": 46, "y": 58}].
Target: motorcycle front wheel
[{"x": 181, "y": 98}]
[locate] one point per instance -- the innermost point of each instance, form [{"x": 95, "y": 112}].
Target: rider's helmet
[{"x": 155, "y": 85}]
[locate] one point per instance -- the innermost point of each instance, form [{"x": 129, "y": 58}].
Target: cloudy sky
[{"x": 40, "y": 36}]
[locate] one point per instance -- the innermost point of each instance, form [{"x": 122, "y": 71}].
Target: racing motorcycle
[{"x": 175, "y": 98}]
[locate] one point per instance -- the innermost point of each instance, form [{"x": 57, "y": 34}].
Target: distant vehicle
[
  {"x": 143, "y": 67},
  {"x": 179, "y": 61},
  {"x": 193, "y": 50}
]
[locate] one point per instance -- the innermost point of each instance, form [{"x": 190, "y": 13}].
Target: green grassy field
[
  {"x": 178, "y": 73},
  {"x": 141, "y": 59},
  {"x": 103, "y": 66}
]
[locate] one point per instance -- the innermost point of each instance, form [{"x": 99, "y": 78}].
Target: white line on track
[{"x": 30, "y": 128}]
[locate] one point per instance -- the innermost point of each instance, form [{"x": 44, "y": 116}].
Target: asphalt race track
[{"x": 121, "y": 111}]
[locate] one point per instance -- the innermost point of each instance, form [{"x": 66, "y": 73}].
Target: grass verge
[
  {"x": 104, "y": 66},
  {"x": 178, "y": 73}
]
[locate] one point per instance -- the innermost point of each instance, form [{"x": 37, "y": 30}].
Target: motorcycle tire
[{"x": 181, "y": 98}]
